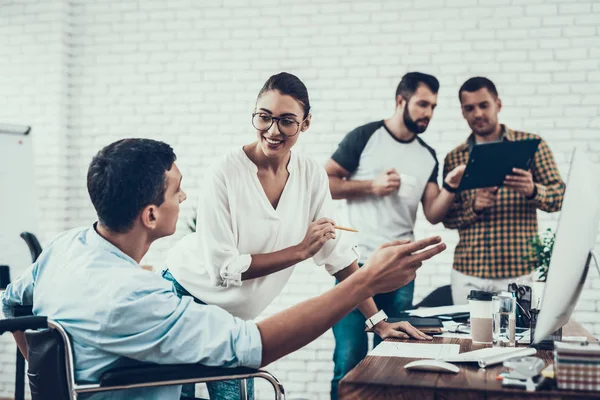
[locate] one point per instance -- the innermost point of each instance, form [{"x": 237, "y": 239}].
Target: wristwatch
[
  {"x": 449, "y": 188},
  {"x": 375, "y": 319}
]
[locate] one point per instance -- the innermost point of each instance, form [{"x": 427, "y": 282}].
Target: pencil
[{"x": 343, "y": 228}]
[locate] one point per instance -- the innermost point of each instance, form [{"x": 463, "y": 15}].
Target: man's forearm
[
  {"x": 439, "y": 207},
  {"x": 349, "y": 188},
  {"x": 460, "y": 214},
  {"x": 368, "y": 308},
  {"x": 293, "y": 328}
]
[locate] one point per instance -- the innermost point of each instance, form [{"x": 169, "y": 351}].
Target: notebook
[{"x": 430, "y": 326}]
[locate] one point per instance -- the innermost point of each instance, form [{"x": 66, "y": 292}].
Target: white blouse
[{"x": 236, "y": 220}]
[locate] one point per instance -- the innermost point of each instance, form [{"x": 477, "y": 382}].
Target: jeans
[
  {"x": 221, "y": 390},
  {"x": 351, "y": 339}
]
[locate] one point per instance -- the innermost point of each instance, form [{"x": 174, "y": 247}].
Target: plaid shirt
[{"x": 493, "y": 243}]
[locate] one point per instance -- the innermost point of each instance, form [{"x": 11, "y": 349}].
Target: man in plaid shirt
[{"x": 495, "y": 224}]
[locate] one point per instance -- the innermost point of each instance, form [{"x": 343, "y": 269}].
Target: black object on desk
[
  {"x": 419, "y": 322},
  {"x": 523, "y": 295},
  {"x": 456, "y": 317},
  {"x": 548, "y": 342},
  {"x": 489, "y": 163}
]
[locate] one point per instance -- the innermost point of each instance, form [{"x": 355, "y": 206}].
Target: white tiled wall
[{"x": 85, "y": 73}]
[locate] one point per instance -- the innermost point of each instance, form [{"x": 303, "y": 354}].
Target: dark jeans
[
  {"x": 351, "y": 339},
  {"x": 221, "y": 390}
]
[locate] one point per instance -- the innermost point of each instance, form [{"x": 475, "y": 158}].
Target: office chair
[
  {"x": 52, "y": 376},
  {"x": 34, "y": 245},
  {"x": 441, "y": 296},
  {"x": 35, "y": 249}
]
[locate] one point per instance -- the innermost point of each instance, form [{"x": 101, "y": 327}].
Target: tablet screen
[{"x": 489, "y": 163}]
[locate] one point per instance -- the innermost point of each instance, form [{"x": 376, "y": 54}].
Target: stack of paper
[{"x": 577, "y": 366}]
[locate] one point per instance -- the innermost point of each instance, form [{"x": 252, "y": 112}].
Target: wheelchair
[{"x": 52, "y": 376}]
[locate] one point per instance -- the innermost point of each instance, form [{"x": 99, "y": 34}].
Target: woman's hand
[
  {"x": 318, "y": 233},
  {"x": 399, "y": 330}
]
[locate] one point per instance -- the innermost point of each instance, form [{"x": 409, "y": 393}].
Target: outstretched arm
[{"x": 390, "y": 267}]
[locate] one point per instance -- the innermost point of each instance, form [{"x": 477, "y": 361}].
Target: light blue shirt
[{"x": 117, "y": 313}]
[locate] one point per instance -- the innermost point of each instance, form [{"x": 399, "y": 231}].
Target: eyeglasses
[{"x": 287, "y": 126}]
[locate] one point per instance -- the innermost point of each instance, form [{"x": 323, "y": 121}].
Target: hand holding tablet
[{"x": 498, "y": 164}]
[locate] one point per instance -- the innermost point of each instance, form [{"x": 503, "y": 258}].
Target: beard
[
  {"x": 485, "y": 131},
  {"x": 412, "y": 125}
]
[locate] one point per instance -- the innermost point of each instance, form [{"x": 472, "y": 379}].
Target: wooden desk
[{"x": 386, "y": 378}]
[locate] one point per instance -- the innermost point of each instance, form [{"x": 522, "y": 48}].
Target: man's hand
[
  {"x": 395, "y": 264},
  {"x": 386, "y": 183},
  {"x": 453, "y": 178},
  {"x": 521, "y": 182},
  {"x": 391, "y": 266},
  {"x": 397, "y": 330},
  {"x": 485, "y": 198},
  {"x": 318, "y": 232}
]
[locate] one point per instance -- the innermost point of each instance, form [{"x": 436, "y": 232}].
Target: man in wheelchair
[{"x": 90, "y": 282}]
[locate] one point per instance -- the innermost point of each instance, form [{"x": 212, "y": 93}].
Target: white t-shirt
[
  {"x": 366, "y": 152},
  {"x": 236, "y": 220}
]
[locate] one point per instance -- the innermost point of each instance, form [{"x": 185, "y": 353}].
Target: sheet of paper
[
  {"x": 455, "y": 330},
  {"x": 524, "y": 337},
  {"x": 476, "y": 355},
  {"x": 415, "y": 350},
  {"x": 492, "y": 355},
  {"x": 453, "y": 335},
  {"x": 433, "y": 311}
]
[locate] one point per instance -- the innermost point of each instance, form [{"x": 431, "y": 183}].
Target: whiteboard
[{"x": 18, "y": 211}]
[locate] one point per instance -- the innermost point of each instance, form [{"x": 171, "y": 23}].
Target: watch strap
[{"x": 376, "y": 318}]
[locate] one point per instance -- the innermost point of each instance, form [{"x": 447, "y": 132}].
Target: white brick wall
[
  {"x": 86, "y": 73},
  {"x": 34, "y": 92}
]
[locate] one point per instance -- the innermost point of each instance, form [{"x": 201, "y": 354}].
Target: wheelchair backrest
[{"x": 46, "y": 372}]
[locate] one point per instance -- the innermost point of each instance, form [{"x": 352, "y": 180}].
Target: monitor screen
[{"x": 575, "y": 239}]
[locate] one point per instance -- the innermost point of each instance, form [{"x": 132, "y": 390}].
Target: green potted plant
[{"x": 540, "y": 252}]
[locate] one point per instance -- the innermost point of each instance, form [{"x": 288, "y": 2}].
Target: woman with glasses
[{"x": 264, "y": 209}]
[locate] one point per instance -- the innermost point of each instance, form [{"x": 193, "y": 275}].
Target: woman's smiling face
[{"x": 272, "y": 103}]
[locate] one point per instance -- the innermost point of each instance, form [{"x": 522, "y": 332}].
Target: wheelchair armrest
[
  {"x": 22, "y": 324},
  {"x": 147, "y": 373},
  {"x": 23, "y": 311}
]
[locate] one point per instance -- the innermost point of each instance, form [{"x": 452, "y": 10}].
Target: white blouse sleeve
[
  {"x": 337, "y": 253},
  {"x": 224, "y": 263}
]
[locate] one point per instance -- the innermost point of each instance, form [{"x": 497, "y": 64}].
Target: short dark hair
[
  {"x": 476, "y": 83},
  {"x": 411, "y": 81},
  {"x": 126, "y": 176},
  {"x": 290, "y": 85}
]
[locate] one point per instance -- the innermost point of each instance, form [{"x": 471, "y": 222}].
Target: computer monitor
[{"x": 575, "y": 239}]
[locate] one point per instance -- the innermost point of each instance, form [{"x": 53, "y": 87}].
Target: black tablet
[{"x": 489, "y": 163}]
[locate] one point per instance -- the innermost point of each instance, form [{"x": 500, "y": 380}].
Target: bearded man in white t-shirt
[{"x": 384, "y": 170}]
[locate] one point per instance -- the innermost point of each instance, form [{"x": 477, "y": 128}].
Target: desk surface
[{"x": 386, "y": 378}]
